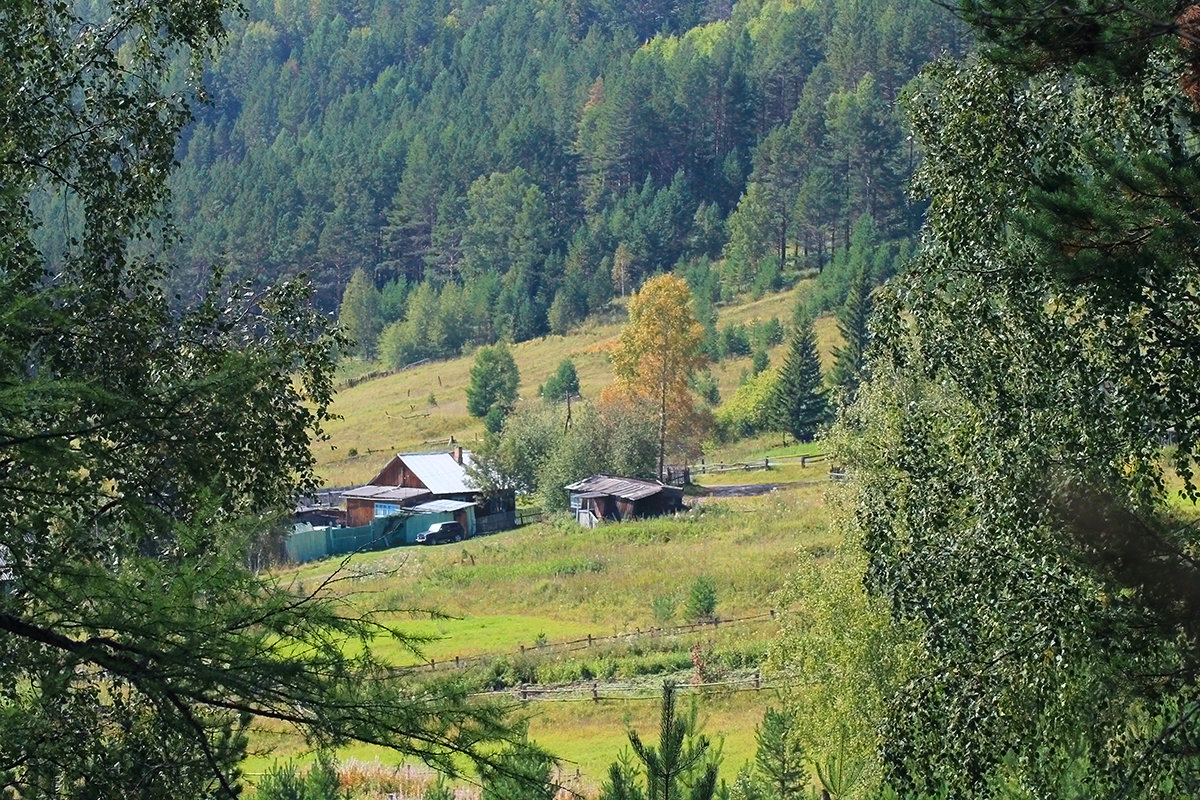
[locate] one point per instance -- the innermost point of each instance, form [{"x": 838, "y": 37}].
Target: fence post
[
  {"x": 766, "y": 463},
  {"x": 803, "y": 462},
  {"x": 456, "y": 662},
  {"x": 589, "y": 640},
  {"x": 757, "y": 680},
  {"x": 772, "y": 613}
]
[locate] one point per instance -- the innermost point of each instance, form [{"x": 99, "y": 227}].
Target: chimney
[{"x": 457, "y": 453}]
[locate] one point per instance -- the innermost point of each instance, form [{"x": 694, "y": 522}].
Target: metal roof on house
[
  {"x": 440, "y": 472},
  {"x": 625, "y": 488},
  {"x": 437, "y": 506},
  {"x": 385, "y": 493}
]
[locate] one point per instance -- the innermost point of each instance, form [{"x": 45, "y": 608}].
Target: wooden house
[
  {"x": 610, "y": 497},
  {"x": 425, "y": 482}
]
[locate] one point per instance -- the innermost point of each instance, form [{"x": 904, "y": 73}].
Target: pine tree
[
  {"x": 622, "y": 781},
  {"x": 438, "y": 790},
  {"x": 852, "y": 324},
  {"x": 800, "y": 400},
  {"x": 520, "y": 772},
  {"x": 681, "y": 754},
  {"x": 779, "y": 758}
]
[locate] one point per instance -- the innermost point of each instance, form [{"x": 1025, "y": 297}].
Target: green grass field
[
  {"x": 486, "y": 599},
  {"x": 554, "y": 581},
  {"x": 421, "y": 408}
]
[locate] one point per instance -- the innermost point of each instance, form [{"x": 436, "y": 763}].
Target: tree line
[{"x": 536, "y": 160}]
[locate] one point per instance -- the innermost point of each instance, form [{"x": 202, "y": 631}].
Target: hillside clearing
[{"x": 421, "y": 408}]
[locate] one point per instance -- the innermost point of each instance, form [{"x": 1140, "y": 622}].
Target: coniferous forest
[{"x": 525, "y": 162}]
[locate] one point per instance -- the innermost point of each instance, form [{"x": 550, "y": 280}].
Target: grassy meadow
[
  {"x": 492, "y": 600},
  {"x": 554, "y": 581},
  {"x": 422, "y": 407}
]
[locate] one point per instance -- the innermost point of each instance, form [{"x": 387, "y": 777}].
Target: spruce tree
[
  {"x": 494, "y": 382},
  {"x": 852, "y": 324},
  {"x": 800, "y": 397}
]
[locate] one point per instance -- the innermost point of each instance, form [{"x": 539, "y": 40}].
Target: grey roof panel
[
  {"x": 625, "y": 488},
  {"x": 440, "y": 472},
  {"x": 435, "y": 506},
  {"x": 385, "y": 493}
]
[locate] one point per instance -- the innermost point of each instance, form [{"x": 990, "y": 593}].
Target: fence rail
[
  {"x": 749, "y": 466},
  {"x": 595, "y": 691},
  {"x": 585, "y": 642}
]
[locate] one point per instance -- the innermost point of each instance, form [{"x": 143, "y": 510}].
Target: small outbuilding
[
  {"x": 319, "y": 516},
  {"x": 611, "y": 497}
]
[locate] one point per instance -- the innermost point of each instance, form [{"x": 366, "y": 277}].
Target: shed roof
[
  {"x": 435, "y": 506},
  {"x": 625, "y": 488},
  {"x": 385, "y": 493}
]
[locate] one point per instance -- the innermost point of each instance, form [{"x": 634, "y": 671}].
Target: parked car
[{"x": 442, "y": 532}]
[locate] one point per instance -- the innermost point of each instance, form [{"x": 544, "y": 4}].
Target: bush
[
  {"x": 749, "y": 409},
  {"x": 760, "y": 362},
  {"x": 663, "y": 606},
  {"x": 735, "y": 341},
  {"x": 702, "y": 599}
]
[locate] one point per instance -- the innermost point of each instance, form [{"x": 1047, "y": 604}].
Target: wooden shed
[{"x": 611, "y": 497}]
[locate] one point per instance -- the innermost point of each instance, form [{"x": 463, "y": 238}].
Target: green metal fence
[{"x": 309, "y": 544}]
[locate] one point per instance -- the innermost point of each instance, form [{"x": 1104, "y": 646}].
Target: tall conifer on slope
[
  {"x": 359, "y": 314},
  {"x": 852, "y": 324},
  {"x": 800, "y": 404}
]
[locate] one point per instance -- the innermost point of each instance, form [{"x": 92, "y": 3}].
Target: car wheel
[{"x": 458, "y": 537}]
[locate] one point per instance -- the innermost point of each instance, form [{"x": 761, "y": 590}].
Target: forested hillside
[{"x": 533, "y": 159}]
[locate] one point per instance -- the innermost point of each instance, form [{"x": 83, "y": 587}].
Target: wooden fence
[
  {"x": 750, "y": 466},
  {"x": 585, "y": 642}
]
